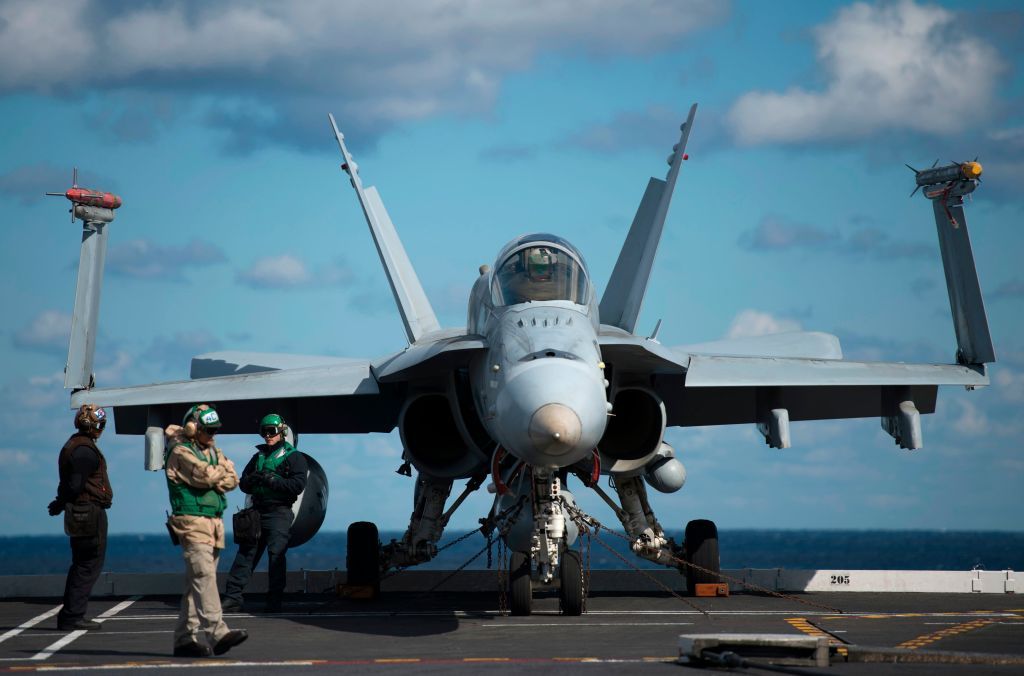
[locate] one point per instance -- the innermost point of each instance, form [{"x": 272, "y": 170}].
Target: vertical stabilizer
[
  {"x": 417, "y": 314},
  {"x": 624, "y": 296}
]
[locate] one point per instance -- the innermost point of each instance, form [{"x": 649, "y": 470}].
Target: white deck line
[
  {"x": 70, "y": 638},
  {"x": 28, "y": 624},
  {"x": 773, "y": 579}
]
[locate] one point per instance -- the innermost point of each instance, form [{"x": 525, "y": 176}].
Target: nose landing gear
[{"x": 571, "y": 588}]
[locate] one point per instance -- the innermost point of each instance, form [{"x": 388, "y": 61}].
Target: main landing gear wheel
[
  {"x": 701, "y": 545},
  {"x": 571, "y": 591},
  {"x": 363, "y": 558},
  {"x": 520, "y": 586}
]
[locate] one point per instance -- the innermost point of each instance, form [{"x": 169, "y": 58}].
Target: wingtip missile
[
  {"x": 85, "y": 197},
  {"x": 955, "y": 177}
]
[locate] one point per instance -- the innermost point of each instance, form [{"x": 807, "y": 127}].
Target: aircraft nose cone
[{"x": 555, "y": 429}]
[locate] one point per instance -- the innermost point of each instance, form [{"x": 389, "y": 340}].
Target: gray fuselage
[{"x": 539, "y": 387}]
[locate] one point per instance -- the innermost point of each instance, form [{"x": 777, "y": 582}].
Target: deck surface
[{"x": 464, "y": 632}]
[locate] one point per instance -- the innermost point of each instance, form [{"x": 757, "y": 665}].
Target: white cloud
[
  {"x": 144, "y": 259},
  {"x": 376, "y": 63},
  {"x": 1009, "y": 384},
  {"x": 49, "y": 331},
  {"x": 10, "y": 457},
  {"x": 276, "y": 272},
  {"x": 755, "y": 323},
  {"x": 971, "y": 420},
  {"x": 899, "y": 66}
]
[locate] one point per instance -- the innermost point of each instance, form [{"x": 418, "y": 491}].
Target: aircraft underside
[{"x": 536, "y": 518}]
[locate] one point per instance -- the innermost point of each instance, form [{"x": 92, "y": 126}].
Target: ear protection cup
[
  {"x": 190, "y": 424},
  {"x": 90, "y": 418}
]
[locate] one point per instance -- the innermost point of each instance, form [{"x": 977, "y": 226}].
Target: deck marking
[
  {"x": 60, "y": 643},
  {"x": 802, "y": 624},
  {"x": 396, "y": 660},
  {"x": 176, "y": 665},
  {"x": 584, "y": 625},
  {"x": 927, "y": 639},
  {"x": 28, "y": 624},
  {"x": 214, "y": 664}
]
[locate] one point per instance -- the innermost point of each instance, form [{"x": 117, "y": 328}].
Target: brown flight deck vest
[{"x": 97, "y": 485}]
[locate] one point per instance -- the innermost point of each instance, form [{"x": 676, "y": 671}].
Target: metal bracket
[
  {"x": 905, "y": 426},
  {"x": 775, "y": 428}
]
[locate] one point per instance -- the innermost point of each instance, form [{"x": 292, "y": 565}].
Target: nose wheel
[
  {"x": 571, "y": 592},
  {"x": 520, "y": 586}
]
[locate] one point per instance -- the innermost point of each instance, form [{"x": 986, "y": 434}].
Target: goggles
[
  {"x": 209, "y": 430},
  {"x": 270, "y": 431}
]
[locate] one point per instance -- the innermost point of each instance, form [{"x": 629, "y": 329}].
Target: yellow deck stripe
[{"x": 921, "y": 641}]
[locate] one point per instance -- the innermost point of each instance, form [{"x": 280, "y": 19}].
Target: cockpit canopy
[{"x": 539, "y": 268}]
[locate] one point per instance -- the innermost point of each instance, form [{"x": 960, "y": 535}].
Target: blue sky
[{"x": 482, "y": 121}]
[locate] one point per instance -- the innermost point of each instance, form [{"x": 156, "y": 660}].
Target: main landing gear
[{"x": 537, "y": 519}]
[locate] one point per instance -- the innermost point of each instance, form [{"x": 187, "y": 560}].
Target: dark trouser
[
  {"x": 87, "y": 555},
  {"x": 275, "y": 528}
]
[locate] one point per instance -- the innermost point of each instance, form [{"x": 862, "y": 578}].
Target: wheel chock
[
  {"x": 357, "y": 591},
  {"x": 711, "y": 589}
]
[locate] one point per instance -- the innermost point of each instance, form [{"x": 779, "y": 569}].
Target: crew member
[
  {"x": 274, "y": 477},
  {"x": 198, "y": 476},
  {"x": 84, "y": 492}
]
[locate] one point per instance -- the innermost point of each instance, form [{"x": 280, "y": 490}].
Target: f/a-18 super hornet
[{"x": 549, "y": 379}]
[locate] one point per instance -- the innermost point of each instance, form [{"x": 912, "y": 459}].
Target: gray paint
[
  {"x": 965, "y": 300},
  {"x": 627, "y": 286},
  {"x": 78, "y": 372},
  {"x": 417, "y": 314}
]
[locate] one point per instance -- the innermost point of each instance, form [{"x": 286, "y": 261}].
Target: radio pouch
[{"x": 246, "y": 526}]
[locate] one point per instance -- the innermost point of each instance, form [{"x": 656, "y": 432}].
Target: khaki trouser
[{"x": 200, "y": 619}]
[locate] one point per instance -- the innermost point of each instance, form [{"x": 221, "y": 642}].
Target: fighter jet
[{"x": 548, "y": 380}]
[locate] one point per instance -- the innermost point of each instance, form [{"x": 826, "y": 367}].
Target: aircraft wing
[
  {"x": 707, "y": 389},
  {"x": 332, "y": 398},
  {"x": 315, "y": 394}
]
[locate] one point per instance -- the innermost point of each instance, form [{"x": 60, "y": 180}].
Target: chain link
[
  {"x": 502, "y": 578},
  {"x": 576, "y": 513}
]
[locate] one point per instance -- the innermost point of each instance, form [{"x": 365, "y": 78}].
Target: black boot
[
  {"x": 79, "y": 624},
  {"x": 230, "y": 640}
]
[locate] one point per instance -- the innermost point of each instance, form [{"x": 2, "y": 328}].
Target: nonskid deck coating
[{"x": 443, "y": 632}]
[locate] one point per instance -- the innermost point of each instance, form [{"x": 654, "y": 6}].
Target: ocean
[{"x": 794, "y": 549}]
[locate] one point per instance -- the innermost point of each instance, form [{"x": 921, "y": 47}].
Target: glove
[
  {"x": 274, "y": 482},
  {"x": 55, "y": 507}
]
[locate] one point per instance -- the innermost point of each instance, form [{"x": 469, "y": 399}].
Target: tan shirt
[{"x": 183, "y": 467}]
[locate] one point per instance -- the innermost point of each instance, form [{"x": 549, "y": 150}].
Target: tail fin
[
  {"x": 624, "y": 296},
  {"x": 417, "y": 314}
]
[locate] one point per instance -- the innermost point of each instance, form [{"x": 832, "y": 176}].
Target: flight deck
[{"x": 455, "y": 623}]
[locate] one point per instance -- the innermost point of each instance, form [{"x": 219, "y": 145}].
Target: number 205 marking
[{"x": 840, "y": 579}]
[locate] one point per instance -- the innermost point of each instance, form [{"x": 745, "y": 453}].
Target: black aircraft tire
[
  {"x": 520, "y": 586},
  {"x": 362, "y": 560},
  {"x": 701, "y": 543},
  {"x": 571, "y": 592}
]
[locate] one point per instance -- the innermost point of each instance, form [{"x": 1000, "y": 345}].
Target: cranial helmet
[
  {"x": 201, "y": 417},
  {"x": 272, "y": 424},
  {"x": 89, "y": 418}
]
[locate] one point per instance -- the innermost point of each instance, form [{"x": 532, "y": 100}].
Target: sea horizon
[{"x": 793, "y": 548}]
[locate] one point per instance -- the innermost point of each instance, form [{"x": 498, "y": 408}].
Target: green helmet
[
  {"x": 203, "y": 416},
  {"x": 272, "y": 424}
]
